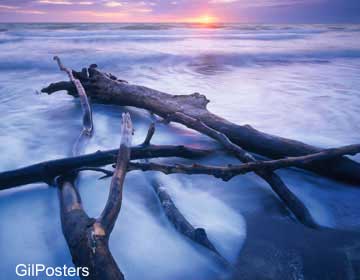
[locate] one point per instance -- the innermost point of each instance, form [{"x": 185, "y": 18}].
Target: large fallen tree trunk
[
  {"x": 48, "y": 170},
  {"x": 106, "y": 88}
]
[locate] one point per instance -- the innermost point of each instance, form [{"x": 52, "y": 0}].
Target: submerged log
[
  {"x": 176, "y": 218},
  {"x": 182, "y": 225},
  {"x": 46, "y": 171},
  {"x": 106, "y": 88}
]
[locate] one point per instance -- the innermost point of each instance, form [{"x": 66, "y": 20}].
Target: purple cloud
[{"x": 271, "y": 11}]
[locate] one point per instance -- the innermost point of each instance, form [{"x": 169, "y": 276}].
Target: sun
[
  {"x": 203, "y": 20},
  {"x": 206, "y": 19}
]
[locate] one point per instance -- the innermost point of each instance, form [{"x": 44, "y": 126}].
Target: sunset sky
[{"x": 268, "y": 11}]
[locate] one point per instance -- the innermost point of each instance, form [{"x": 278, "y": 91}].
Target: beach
[{"x": 296, "y": 81}]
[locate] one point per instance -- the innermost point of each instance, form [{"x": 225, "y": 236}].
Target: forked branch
[{"x": 86, "y": 240}]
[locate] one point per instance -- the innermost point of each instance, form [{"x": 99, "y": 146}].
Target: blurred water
[{"x": 297, "y": 81}]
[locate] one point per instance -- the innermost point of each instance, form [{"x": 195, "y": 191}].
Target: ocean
[{"x": 296, "y": 81}]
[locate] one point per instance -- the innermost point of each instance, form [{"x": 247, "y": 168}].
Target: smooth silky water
[{"x": 296, "y": 81}]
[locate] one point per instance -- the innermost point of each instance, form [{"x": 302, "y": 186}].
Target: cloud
[
  {"x": 19, "y": 10},
  {"x": 32, "y": 12},
  {"x": 55, "y": 2},
  {"x": 64, "y": 2},
  {"x": 141, "y": 10},
  {"x": 113, "y": 4},
  {"x": 106, "y": 15},
  {"x": 223, "y": 1},
  {"x": 6, "y": 7},
  {"x": 177, "y": 10},
  {"x": 265, "y": 3}
]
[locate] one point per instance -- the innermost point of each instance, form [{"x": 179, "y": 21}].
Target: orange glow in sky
[{"x": 203, "y": 19}]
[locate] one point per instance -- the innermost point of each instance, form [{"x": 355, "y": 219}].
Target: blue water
[{"x": 296, "y": 81}]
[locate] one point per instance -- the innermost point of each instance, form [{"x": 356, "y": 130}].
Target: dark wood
[
  {"x": 88, "y": 239},
  {"x": 88, "y": 245},
  {"x": 228, "y": 172},
  {"x": 291, "y": 201},
  {"x": 104, "y": 88},
  {"x": 176, "y": 218},
  {"x": 112, "y": 208},
  {"x": 88, "y": 125},
  {"x": 48, "y": 170},
  {"x": 149, "y": 135},
  {"x": 182, "y": 225}
]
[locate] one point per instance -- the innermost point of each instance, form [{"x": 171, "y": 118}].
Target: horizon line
[{"x": 170, "y": 22}]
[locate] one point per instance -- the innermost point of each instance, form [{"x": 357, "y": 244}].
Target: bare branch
[
  {"x": 149, "y": 135},
  {"x": 112, "y": 208},
  {"x": 275, "y": 182},
  {"x": 181, "y": 224},
  {"x": 48, "y": 170},
  {"x": 69, "y": 196},
  {"x": 87, "y": 112},
  {"x": 226, "y": 173}
]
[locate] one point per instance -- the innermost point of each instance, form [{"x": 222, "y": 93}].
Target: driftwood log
[
  {"x": 182, "y": 225},
  {"x": 106, "y": 88},
  {"x": 45, "y": 172},
  {"x": 228, "y": 172},
  {"x": 275, "y": 182},
  {"x": 173, "y": 214},
  {"x": 88, "y": 238}
]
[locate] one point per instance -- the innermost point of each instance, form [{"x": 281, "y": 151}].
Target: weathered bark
[
  {"x": 88, "y": 239},
  {"x": 48, "y": 170},
  {"x": 226, "y": 173},
  {"x": 173, "y": 214},
  {"x": 112, "y": 208},
  {"x": 275, "y": 182},
  {"x": 106, "y": 88},
  {"x": 88, "y": 125},
  {"x": 182, "y": 225},
  {"x": 85, "y": 238}
]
